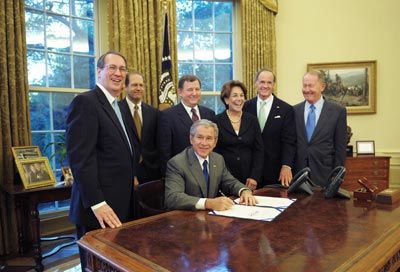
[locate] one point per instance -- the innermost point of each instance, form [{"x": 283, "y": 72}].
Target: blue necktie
[
  {"x": 118, "y": 113},
  {"x": 205, "y": 173},
  {"x": 310, "y": 125}
]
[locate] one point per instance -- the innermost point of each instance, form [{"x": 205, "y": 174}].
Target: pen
[{"x": 222, "y": 193}]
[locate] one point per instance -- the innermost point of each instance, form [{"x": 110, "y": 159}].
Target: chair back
[{"x": 150, "y": 198}]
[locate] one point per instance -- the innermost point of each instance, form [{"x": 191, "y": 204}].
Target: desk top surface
[{"x": 322, "y": 234}]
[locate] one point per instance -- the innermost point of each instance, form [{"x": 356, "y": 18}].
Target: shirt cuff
[
  {"x": 241, "y": 190},
  {"x": 201, "y": 204},
  {"x": 95, "y": 207}
]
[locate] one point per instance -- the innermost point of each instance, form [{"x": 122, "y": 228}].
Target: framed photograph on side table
[
  {"x": 365, "y": 147},
  {"x": 26, "y": 152},
  {"x": 35, "y": 172}
]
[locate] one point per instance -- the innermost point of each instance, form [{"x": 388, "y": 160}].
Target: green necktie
[{"x": 261, "y": 115}]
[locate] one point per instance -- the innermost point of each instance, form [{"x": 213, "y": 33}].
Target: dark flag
[{"x": 167, "y": 93}]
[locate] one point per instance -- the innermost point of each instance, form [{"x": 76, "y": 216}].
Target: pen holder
[{"x": 363, "y": 195}]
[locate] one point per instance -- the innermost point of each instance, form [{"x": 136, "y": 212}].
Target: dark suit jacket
[
  {"x": 327, "y": 147},
  {"x": 100, "y": 159},
  {"x": 243, "y": 153},
  {"x": 279, "y": 138},
  {"x": 148, "y": 143},
  {"x": 174, "y": 128},
  {"x": 185, "y": 183}
]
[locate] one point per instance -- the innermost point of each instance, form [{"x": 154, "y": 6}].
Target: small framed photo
[
  {"x": 35, "y": 172},
  {"x": 67, "y": 175},
  {"x": 26, "y": 152},
  {"x": 365, "y": 147}
]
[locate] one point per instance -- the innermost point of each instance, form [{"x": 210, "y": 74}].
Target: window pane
[
  {"x": 212, "y": 102},
  {"x": 36, "y": 68},
  {"x": 185, "y": 68},
  {"x": 223, "y": 73},
  {"x": 206, "y": 74},
  {"x": 37, "y": 4},
  {"x": 203, "y": 15},
  {"x": 84, "y": 72},
  {"x": 42, "y": 139},
  {"x": 46, "y": 207},
  {"x": 57, "y": 33},
  {"x": 223, "y": 16},
  {"x": 223, "y": 47},
  {"x": 83, "y": 8},
  {"x": 203, "y": 47},
  {"x": 82, "y": 36},
  {"x": 59, "y": 150},
  {"x": 64, "y": 203},
  {"x": 185, "y": 46},
  {"x": 59, "y": 6},
  {"x": 39, "y": 103},
  {"x": 61, "y": 102},
  {"x": 34, "y": 30},
  {"x": 59, "y": 70},
  {"x": 184, "y": 15}
]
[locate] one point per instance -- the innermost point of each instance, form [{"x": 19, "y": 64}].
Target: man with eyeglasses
[
  {"x": 101, "y": 152},
  {"x": 175, "y": 122},
  {"x": 143, "y": 121}
]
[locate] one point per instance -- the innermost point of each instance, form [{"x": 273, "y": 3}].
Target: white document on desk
[{"x": 267, "y": 209}]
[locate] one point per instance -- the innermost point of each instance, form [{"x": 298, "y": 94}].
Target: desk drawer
[
  {"x": 368, "y": 173},
  {"x": 365, "y": 163}
]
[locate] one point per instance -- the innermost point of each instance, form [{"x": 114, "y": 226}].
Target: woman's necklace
[{"x": 232, "y": 120}]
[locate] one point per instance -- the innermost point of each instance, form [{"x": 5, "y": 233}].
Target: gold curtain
[
  {"x": 14, "y": 112},
  {"x": 258, "y": 38},
  {"x": 136, "y": 30}
]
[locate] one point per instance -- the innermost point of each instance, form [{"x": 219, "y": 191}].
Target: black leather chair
[{"x": 149, "y": 198}]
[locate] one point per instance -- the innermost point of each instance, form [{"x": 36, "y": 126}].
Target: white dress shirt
[
  {"x": 189, "y": 110},
  {"x": 131, "y": 106},
  {"x": 318, "y": 108},
  {"x": 267, "y": 107}
]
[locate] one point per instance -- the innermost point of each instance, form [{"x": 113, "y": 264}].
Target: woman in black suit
[{"x": 239, "y": 139}]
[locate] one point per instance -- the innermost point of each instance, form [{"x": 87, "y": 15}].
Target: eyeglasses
[{"x": 113, "y": 68}]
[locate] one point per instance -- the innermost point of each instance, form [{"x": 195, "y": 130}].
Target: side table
[{"x": 28, "y": 222}]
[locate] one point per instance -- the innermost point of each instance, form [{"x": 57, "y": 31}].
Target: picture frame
[
  {"x": 26, "y": 152},
  {"x": 350, "y": 84},
  {"x": 67, "y": 175},
  {"x": 35, "y": 172},
  {"x": 365, "y": 147}
]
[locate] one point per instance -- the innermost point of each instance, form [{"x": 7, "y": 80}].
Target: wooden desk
[
  {"x": 314, "y": 233},
  {"x": 28, "y": 222},
  {"x": 374, "y": 168}
]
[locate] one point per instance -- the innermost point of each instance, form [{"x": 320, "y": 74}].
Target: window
[
  {"x": 205, "y": 45},
  {"x": 61, "y": 63}
]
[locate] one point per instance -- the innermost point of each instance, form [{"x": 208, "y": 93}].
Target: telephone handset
[
  {"x": 302, "y": 181},
  {"x": 336, "y": 178}
]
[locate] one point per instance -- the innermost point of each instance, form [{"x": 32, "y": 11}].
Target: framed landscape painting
[{"x": 350, "y": 84}]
